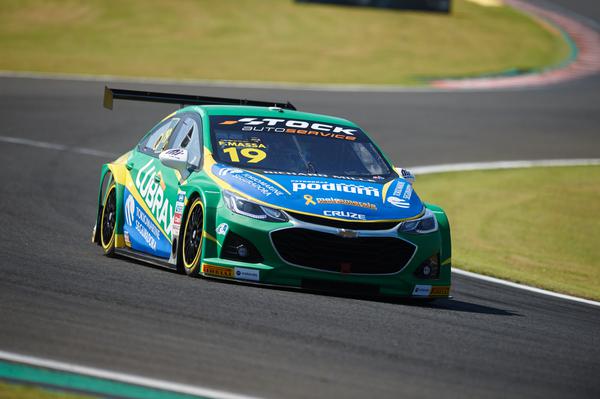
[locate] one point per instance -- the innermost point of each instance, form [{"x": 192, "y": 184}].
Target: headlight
[
  {"x": 245, "y": 207},
  {"x": 425, "y": 224}
]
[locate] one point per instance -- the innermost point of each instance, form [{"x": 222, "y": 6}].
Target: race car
[{"x": 258, "y": 192}]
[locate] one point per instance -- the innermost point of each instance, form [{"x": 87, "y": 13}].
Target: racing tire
[
  {"x": 108, "y": 221},
  {"x": 192, "y": 237}
]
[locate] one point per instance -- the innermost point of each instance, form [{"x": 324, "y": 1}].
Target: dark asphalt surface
[{"x": 60, "y": 298}]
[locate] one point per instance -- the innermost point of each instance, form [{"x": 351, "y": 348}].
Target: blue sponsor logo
[
  {"x": 330, "y": 196},
  {"x": 144, "y": 234}
]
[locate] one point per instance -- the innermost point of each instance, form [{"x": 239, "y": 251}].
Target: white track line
[
  {"x": 523, "y": 287},
  {"x": 240, "y": 84},
  {"x": 56, "y": 147},
  {"x": 120, "y": 377},
  {"x": 418, "y": 170},
  {"x": 463, "y": 167},
  {"x": 473, "y": 166}
]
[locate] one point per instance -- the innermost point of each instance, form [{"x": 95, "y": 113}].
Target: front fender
[
  {"x": 444, "y": 226},
  {"x": 116, "y": 172},
  {"x": 209, "y": 200}
]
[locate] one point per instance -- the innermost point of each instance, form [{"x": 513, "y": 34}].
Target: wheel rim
[
  {"x": 192, "y": 241},
  {"x": 109, "y": 213}
]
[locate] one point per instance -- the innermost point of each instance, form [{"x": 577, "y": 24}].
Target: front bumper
[{"x": 271, "y": 268}]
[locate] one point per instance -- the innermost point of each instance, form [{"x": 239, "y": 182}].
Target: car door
[{"x": 151, "y": 187}]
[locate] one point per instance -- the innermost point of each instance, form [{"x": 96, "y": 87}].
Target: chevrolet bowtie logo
[{"x": 347, "y": 233}]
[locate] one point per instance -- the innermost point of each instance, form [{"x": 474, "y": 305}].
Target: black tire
[
  {"x": 108, "y": 221},
  {"x": 190, "y": 253}
]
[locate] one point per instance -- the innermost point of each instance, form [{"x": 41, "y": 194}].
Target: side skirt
[{"x": 154, "y": 260}]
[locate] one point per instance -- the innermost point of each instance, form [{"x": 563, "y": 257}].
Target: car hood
[{"x": 325, "y": 196}]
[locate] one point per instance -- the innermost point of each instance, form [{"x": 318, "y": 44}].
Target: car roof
[{"x": 243, "y": 110}]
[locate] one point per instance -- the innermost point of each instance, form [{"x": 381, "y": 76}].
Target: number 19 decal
[{"x": 253, "y": 155}]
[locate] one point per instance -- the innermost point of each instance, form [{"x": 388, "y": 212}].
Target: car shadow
[
  {"x": 456, "y": 305},
  {"x": 450, "y": 304}
]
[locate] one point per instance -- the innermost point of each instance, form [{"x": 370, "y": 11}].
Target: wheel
[
  {"x": 191, "y": 246},
  {"x": 107, "y": 222}
]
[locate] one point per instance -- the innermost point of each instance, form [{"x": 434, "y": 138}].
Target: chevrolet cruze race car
[{"x": 258, "y": 192}]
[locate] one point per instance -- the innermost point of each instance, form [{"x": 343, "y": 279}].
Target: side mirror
[
  {"x": 406, "y": 175},
  {"x": 176, "y": 158}
]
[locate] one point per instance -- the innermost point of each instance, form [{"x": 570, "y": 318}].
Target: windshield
[{"x": 295, "y": 146}]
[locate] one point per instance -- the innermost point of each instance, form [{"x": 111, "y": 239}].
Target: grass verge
[
  {"x": 15, "y": 391},
  {"x": 270, "y": 40},
  {"x": 535, "y": 226}
]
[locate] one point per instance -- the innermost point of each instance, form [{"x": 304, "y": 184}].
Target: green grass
[
  {"x": 14, "y": 391},
  {"x": 535, "y": 226},
  {"x": 269, "y": 40}
]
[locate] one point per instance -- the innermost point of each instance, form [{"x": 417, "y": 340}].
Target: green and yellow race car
[{"x": 259, "y": 192}]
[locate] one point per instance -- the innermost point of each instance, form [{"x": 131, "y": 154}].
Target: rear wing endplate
[{"x": 111, "y": 94}]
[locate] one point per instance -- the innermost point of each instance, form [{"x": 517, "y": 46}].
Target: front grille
[
  {"x": 341, "y": 224},
  {"x": 324, "y": 251}
]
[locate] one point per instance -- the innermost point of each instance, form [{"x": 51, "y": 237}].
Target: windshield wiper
[{"x": 310, "y": 168}]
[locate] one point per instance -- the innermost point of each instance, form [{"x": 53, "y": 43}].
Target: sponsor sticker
[
  {"x": 229, "y": 171},
  {"x": 241, "y": 143},
  {"x": 407, "y": 174},
  {"x": 345, "y": 214},
  {"x": 146, "y": 236},
  {"x": 217, "y": 271},
  {"x": 341, "y": 201},
  {"x": 175, "y": 152},
  {"x": 243, "y": 273},
  {"x": 249, "y": 179},
  {"x": 154, "y": 196},
  {"x": 140, "y": 231},
  {"x": 421, "y": 290},
  {"x": 176, "y": 224},
  {"x": 129, "y": 209},
  {"x": 308, "y": 174},
  {"x": 291, "y": 126},
  {"x": 289, "y": 173},
  {"x": 126, "y": 238},
  {"x": 178, "y": 212},
  {"x": 440, "y": 291},
  {"x": 338, "y": 187},
  {"x": 222, "y": 229},
  {"x": 407, "y": 193},
  {"x": 398, "y": 189},
  {"x": 403, "y": 191},
  {"x": 398, "y": 202}
]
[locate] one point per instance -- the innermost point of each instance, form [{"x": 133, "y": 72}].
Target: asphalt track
[{"x": 60, "y": 298}]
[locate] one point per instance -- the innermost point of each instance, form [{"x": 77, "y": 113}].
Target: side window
[
  {"x": 188, "y": 135},
  {"x": 156, "y": 141}
]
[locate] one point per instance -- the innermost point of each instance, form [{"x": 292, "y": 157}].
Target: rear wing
[{"x": 182, "y": 99}]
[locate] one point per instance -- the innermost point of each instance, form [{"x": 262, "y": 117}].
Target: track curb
[
  {"x": 583, "y": 61},
  {"x": 73, "y": 377}
]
